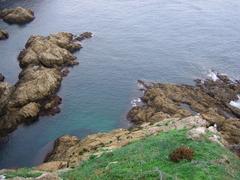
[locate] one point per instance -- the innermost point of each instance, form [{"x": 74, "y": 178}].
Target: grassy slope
[
  {"x": 23, "y": 172},
  {"x": 148, "y": 159}
]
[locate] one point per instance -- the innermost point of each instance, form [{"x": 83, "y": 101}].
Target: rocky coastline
[
  {"x": 200, "y": 108},
  {"x": 42, "y": 61}
]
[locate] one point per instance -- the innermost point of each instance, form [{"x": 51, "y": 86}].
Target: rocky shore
[
  {"x": 42, "y": 61},
  {"x": 207, "y": 105},
  {"x": 72, "y": 151}
]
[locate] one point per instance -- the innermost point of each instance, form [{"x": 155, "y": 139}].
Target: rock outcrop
[
  {"x": 17, "y": 15},
  {"x": 3, "y": 34},
  {"x": 73, "y": 150},
  {"x": 34, "y": 94},
  {"x": 210, "y": 98}
]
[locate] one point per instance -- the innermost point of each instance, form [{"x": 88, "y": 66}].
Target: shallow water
[{"x": 165, "y": 40}]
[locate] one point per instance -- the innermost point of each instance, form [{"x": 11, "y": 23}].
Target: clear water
[{"x": 165, "y": 40}]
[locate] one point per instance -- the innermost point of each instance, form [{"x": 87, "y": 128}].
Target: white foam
[
  {"x": 135, "y": 102},
  {"x": 236, "y": 103},
  {"x": 213, "y": 75}
]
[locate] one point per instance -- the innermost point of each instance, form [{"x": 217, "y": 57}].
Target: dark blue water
[{"x": 165, "y": 40}]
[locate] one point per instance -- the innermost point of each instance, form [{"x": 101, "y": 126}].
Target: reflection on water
[{"x": 164, "y": 40}]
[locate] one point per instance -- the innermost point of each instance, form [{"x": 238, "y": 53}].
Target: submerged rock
[
  {"x": 17, "y": 15},
  {"x": 210, "y": 98},
  {"x": 42, "y": 62},
  {"x": 3, "y": 34}
]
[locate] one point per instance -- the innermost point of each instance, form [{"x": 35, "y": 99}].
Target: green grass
[
  {"x": 148, "y": 159},
  {"x": 23, "y": 172}
]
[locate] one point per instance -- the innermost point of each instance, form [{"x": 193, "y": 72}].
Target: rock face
[
  {"x": 3, "y": 34},
  {"x": 73, "y": 150},
  {"x": 210, "y": 98},
  {"x": 17, "y": 15},
  {"x": 34, "y": 94}
]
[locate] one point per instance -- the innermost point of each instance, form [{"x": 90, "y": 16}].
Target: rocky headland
[
  {"x": 17, "y": 15},
  {"x": 42, "y": 61}
]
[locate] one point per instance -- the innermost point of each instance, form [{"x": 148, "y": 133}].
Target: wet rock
[
  {"x": 17, "y": 15},
  {"x": 83, "y": 36},
  {"x": 65, "y": 72},
  {"x": 1, "y": 77},
  {"x": 74, "y": 150},
  {"x": 3, "y": 34},
  {"x": 51, "y": 106},
  {"x": 210, "y": 98}
]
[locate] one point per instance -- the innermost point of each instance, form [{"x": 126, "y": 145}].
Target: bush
[{"x": 181, "y": 153}]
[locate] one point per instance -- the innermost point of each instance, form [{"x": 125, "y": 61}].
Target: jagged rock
[
  {"x": 51, "y": 51},
  {"x": 210, "y": 98},
  {"x": 73, "y": 150},
  {"x": 3, "y": 34},
  {"x": 85, "y": 35},
  {"x": 34, "y": 94},
  {"x": 17, "y": 15}
]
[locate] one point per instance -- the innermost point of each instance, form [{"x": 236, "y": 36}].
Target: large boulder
[
  {"x": 17, "y": 15},
  {"x": 3, "y": 34},
  {"x": 51, "y": 51}
]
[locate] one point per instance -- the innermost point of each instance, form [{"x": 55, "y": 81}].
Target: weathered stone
[{"x": 17, "y": 15}]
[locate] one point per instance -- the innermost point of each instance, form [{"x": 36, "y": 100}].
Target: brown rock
[
  {"x": 51, "y": 51},
  {"x": 209, "y": 98},
  {"x": 17, "y": 15},
  {"x": 73, "y": 150},
  {"x": 3, "y": 34}
]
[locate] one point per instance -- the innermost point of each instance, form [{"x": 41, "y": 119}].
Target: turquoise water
[{"x": 166, "y": 40}]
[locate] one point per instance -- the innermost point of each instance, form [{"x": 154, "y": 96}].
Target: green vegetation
[
  {"x": 23, "y": 172},
  {"x": 149, "y": 159}
]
